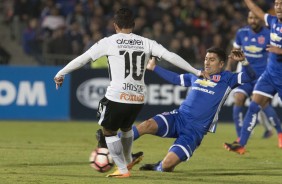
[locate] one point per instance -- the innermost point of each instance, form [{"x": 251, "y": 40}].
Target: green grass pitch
[{"x": 57, "y": 153}]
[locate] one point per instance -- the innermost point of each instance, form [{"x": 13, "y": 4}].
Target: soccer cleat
[
  {"x": 280, "y": 140},
  {"x": 136, "y": 158},
  {"x": 117, "y": 174},
  {"x": 101, "y": 139},
  {"x": 235, "y": 147},
  {"x": 267, "y": 134},
  {"x": 149, "y": 167}
]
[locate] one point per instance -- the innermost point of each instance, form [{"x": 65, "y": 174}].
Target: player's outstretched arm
[
  {"x": 73, "y": 65},
  {"x": 255, "y": 9}
]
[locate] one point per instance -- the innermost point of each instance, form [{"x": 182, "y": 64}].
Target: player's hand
[
  {"x": 273, "y": 49},
  {"x": 59, "y": 81},
  {"x": 205, "y": 75},
  {"x": 151, "y": 64},
  {"x": 237, "y": 55}
]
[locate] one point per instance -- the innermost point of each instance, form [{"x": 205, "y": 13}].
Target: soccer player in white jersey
[
  {"x": 198, "y": 113},
  {"x": 269, "y": 83},
  {"x": 128, "y": 55}
]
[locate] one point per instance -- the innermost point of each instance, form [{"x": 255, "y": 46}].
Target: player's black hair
[
  {"x": 124, "y": 18},
  {"x": 219, "y": 51}
]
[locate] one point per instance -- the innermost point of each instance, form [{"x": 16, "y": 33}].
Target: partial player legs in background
[
  {"x": 274, "y": 121},
  {"x": 266, "y": 124}
]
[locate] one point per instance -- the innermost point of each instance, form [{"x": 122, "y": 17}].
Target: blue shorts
[
  {"x": 175, "y": 125},
  {"x": 246, "y": 88},
  {"x": 268, "y": 85}
]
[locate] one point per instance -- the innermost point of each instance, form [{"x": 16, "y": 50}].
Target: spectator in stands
[
  {"x": 5, "y": 56},
  {"x": 53, "y": 21},
  {"x": 32, "y": 41}
]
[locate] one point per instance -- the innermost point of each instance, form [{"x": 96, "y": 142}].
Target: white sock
[
  {"x": 126, "y": 141},
  {"x": 116, "y": 151}
]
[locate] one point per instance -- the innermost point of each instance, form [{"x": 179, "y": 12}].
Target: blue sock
[
  {"x": 159, "y": 167},
  {"x": 135, "y": 133},
  {"x": 273, "y": 118},
  {"x": 238, "y": 118},
  {"x": 249, "y": 122}
]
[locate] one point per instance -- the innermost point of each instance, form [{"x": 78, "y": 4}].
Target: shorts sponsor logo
[{"x": 90, "y": 92}]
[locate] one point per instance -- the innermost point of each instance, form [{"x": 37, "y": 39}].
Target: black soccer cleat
[
  {"x": 101, "y": 139},
  {"x": 149, "y": 167},
  {"x": 235, "y": 147},
  {"x": 136, "y": 158}
]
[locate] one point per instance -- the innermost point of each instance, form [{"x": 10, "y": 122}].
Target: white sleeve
[
  {"x": 99, "y": 49},
  {"x": 75, "y": 64},
  {"x": 180, "y": 62},
  {"x": 265, "y": 19},
  {"x": 161, "y": 52}
]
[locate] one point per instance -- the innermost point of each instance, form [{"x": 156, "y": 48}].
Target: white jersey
[{"x": 128, "y": 55}]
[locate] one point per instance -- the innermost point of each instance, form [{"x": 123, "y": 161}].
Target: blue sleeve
[
  {"x": 249, "y": 74},
  {"x": 243, "y": 77},
  {"x": 268, "y": 19},
  {"x": 173, "y": 78}
]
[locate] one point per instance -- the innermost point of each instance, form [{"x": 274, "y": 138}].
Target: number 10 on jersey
[{"x": 133, "y": 58}]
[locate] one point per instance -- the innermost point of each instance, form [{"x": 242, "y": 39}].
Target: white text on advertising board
[{"x": 27, "y": 93}]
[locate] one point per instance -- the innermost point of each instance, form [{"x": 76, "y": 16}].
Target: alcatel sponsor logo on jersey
[
  {"x": 129, "y": 42},
  {"x": 133, "y": 87},
  {"x": 25, "y": 94},
  {"x": 132, "y": 98},
  {"x": 91, "y": 91}
]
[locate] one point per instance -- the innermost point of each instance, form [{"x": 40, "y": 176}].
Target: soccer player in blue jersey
[
  {"x": 198, "y": 114},
  {"x": 253, "y": 40},
  {"x": 270, "y": 81}
]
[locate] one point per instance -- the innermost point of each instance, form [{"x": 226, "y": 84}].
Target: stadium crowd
[{"x": 65, "y": 28}]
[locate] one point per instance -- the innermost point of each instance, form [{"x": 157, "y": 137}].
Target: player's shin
[
  {"x": 116, "y": 151},
  {"x": 249, "y": 122},
  {"x": 238, "y": 118},
  {"x": 126, "y": 140}
]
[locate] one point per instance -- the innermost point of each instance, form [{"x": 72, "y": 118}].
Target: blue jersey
[
  {"x": 254, "y": 46},
  {"x": 275, "y": 60},
  {"x": 203, "y": 103}
]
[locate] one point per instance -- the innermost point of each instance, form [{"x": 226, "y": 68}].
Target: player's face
[
  {"x": 212, "y": 64},
  {"x": 278, "y": 9},
  {"x": 254, "y": 21}
]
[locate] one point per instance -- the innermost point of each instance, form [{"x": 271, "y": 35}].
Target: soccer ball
[{"x": 101, "y": 160}]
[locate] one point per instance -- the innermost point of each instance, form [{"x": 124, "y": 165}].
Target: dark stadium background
[{"x": 42, "y": 36}]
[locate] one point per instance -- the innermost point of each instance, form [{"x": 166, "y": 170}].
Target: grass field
[{"x": 57, "y": 152}]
